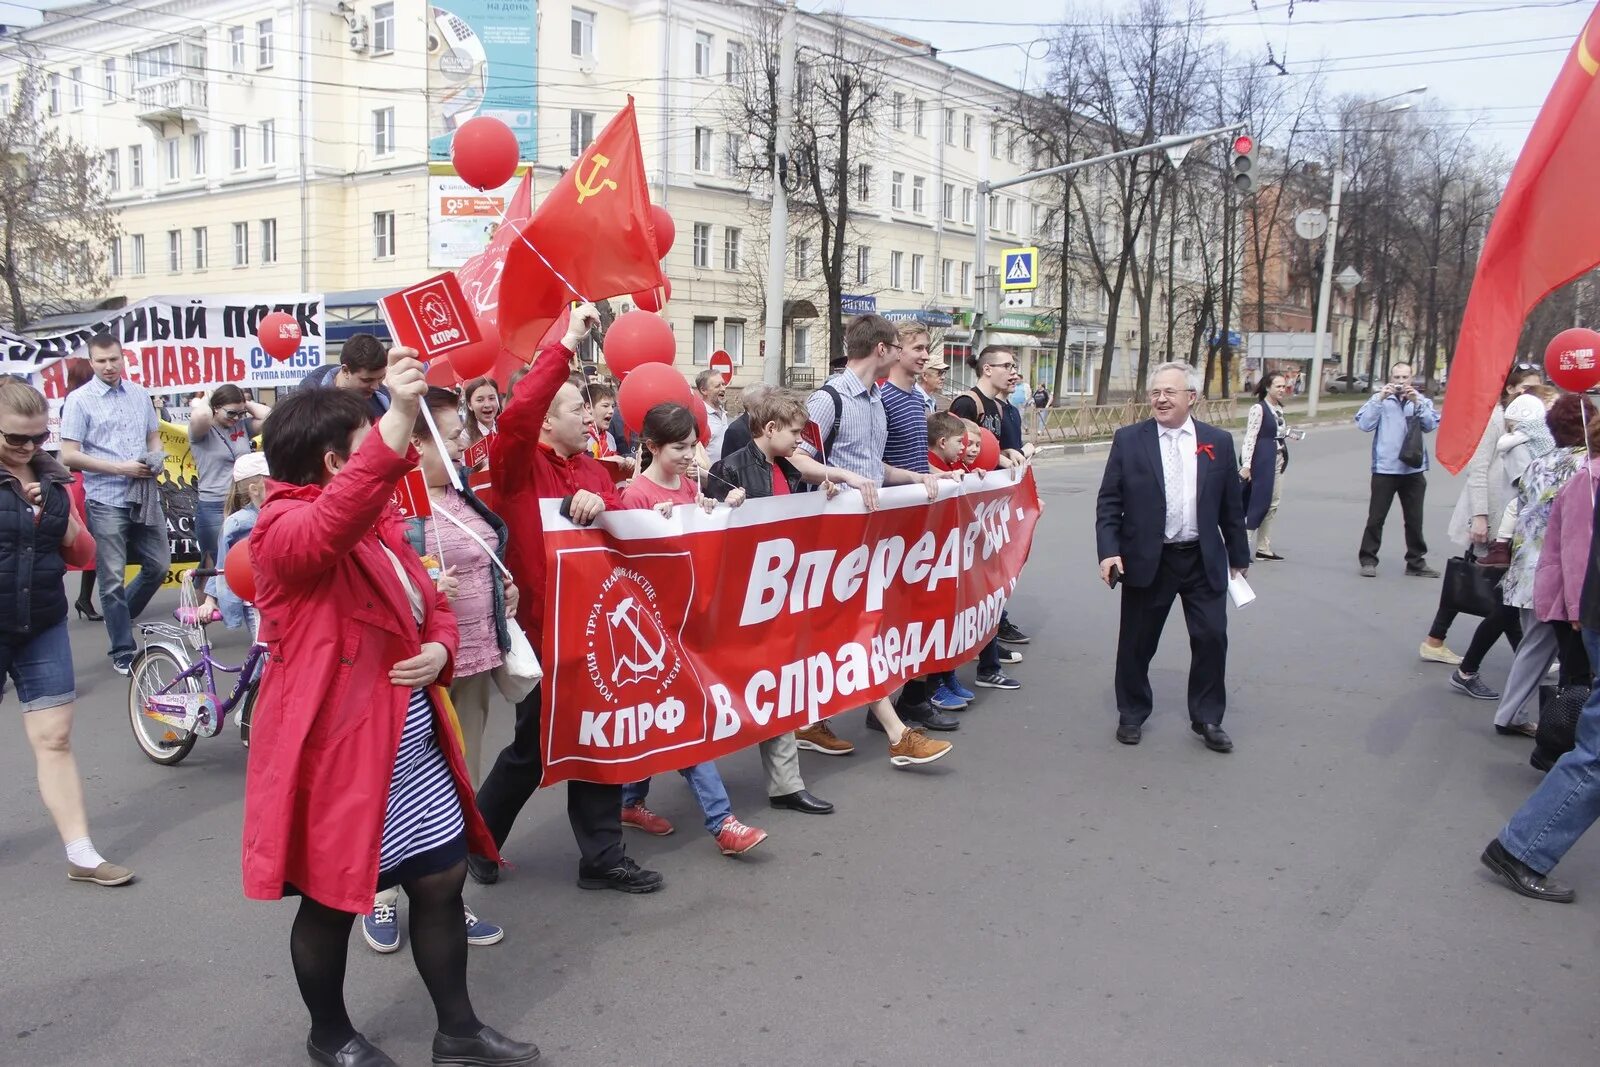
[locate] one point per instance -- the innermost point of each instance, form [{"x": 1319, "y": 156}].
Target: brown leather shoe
[
  {"x": 916, "y": 748},
  {"x": 821, "y": 738},
  {"x": 105, "y": 874}
]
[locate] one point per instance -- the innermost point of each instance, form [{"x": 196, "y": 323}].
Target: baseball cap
[
  {"x": 250, "y": 465},
  {"x": 938, "y": 364}
]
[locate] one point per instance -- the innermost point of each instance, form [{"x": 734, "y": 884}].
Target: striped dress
[{"x": 423, "y": 811}]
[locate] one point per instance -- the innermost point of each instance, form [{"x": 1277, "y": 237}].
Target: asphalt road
[{"x": 1043, "y": 896}]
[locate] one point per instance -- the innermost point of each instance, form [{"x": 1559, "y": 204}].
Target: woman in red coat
[{"x": 356, "y": 780}]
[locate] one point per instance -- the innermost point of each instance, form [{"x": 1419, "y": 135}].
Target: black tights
[{"x": 319, "y": 941}]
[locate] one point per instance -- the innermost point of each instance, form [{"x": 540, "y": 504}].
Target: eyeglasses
[
  {"x": 1168, "y": 394},
  {"x": 1525, "y": 366},
  {"x": 1003, "y": 366},
  {"x": 22, "y": 440},
  {"x": 235, "y": 413}
]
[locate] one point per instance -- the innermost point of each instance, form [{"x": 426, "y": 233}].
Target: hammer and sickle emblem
[
  {"x": 1586, "y": 59},
  {"x": 587, "y": 186}
]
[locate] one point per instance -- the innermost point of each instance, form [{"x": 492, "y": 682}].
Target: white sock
[{"x": 82, "y": 853}]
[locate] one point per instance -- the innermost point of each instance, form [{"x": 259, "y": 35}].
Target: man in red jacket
[{"x": 542, "y": 451}]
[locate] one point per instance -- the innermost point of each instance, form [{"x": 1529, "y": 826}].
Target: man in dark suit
[{"x": 1170, "y": 522}]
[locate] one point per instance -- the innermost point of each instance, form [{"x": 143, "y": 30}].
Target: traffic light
[{"x": 1244, "y": 164}]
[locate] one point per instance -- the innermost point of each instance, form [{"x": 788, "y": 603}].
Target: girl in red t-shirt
[{"x": 669, "y": 435}]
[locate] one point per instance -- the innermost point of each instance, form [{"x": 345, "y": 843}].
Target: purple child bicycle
[{"x": 172, "y": 695}]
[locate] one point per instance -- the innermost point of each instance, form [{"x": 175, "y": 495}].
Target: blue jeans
[
  {"x": 119, "y": 541},
  {"x": 208, "y": 528},
  {"x": 706, "y": 782},
  {"x": 1567, "y": 802},
  {"x": 41, "y": 667}
]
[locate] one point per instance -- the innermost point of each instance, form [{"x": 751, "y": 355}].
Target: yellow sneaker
[{"x": 1438, "y": 654}]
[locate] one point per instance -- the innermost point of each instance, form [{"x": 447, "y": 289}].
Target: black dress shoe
[
  {"x": 483, "y": 871},
  {"x": 487, "y": 1048},
  {"x": 1521, "y": 877},
  {"x": 1130, "y": 733},
  {"x": 357, "y": 1052},
  {"x": 926, "y": 716},
  {"x": 626, "y": 877},
  {"x": 1271, "y": 556},
  {"x": 1215, "y": 737},
  {"x": 802, "y": 801}
]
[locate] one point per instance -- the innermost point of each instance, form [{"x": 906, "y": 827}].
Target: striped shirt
[
  {"x": 423, "y": 811},
  {"x": 863, "y": 427},
  {"x": 907, "y": 418},
  {"x": 112, "y": 422}
]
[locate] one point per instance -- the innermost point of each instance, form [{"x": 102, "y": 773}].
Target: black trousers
[
  {"x": 1144, "y": 614},
  {"x": 1410, "y": 488},
  {"x": 594, "y": 810},
  {"x": 1505, "y": 622}
]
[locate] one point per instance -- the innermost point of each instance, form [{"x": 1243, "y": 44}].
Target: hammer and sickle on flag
[{"x": 587, "y": 187}]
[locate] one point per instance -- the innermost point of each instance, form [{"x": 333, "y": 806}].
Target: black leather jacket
[
  {"x": 32, "y": 598},
  {"x": 750, "y": 470}
]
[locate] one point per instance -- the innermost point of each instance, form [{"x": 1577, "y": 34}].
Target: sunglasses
[
  {"x": 20, "y": 440},
  {"x": 236, "y": 413}
]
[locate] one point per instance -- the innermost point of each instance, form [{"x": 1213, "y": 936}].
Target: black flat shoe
[
  {"x": 487, "y": 1048},
  {"x": 1522, "y": 878},
  {"x": 86, "y": 611},
  {"x": 1215, "y": 737},
  {"x": 1273, "y": 556},
  {"x": 483, "y": 871},
  {"x": 357, "y": 1052},
  {"x": 926, "y": 716},
  {"x": 1130, "y": 734},
  {"x": 802, "y": 801},
  {"x": 1521, "y": 729}
]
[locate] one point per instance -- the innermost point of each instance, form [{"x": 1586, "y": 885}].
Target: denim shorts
[{"x": 40, "y": 665}]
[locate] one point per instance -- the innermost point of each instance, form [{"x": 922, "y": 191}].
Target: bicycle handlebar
[{"x": 200, "y": 575}]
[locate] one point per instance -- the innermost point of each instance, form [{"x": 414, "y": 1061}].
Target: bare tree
[{"x": 55, "y": 226}]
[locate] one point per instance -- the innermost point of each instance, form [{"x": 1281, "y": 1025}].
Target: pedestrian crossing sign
[{"x": 1020, "y": 269}]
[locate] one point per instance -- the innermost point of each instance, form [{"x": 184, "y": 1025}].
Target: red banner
[
  {"x": 411, "y": 496},
  {"x": 672, "y": 641}
]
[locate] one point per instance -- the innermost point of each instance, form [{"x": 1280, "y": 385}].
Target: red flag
[
  {"x": 591, "y": 238},
  {"x": 480, "y": 275},
  {"x": 1545, "y": 233}
]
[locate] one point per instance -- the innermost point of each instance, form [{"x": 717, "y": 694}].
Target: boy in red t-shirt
[
  {"x": 602, "y": 400},
  {"x": 947, "y": 444}
]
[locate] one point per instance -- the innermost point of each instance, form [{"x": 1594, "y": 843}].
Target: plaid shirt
[
  {"x": 863, "y": 426},
  {"x": 110, "y": 422}
]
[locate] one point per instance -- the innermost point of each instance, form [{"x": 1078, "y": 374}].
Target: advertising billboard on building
[{"x": 482, "y": 60}]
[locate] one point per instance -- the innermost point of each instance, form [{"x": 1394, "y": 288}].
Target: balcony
[{"x": 172, "y": 99}]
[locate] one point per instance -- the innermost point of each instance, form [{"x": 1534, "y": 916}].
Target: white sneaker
[{"x": 1437, "y": 654}]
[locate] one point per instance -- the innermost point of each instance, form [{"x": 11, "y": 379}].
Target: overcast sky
[{"x": 1494, "y": 60}]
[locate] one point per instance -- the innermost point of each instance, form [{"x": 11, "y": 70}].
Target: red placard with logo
[
  {"x": 477, "y": 453},
  {"x": 411, "y": 496},
  {"x": 432, "y": 317}
]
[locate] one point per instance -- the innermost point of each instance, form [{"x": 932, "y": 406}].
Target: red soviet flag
[
  {"x": 1545, "y": 233},
  {"x": 591, "y": 238},
  {"x": 480, "y": 275}
]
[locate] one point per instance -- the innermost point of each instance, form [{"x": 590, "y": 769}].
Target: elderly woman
[
  {"x": 357, "y": 780},
  {"x": 1542, "y": 640}
]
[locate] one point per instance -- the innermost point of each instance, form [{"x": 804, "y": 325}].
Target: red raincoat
[{"x": 327, "y": 726}]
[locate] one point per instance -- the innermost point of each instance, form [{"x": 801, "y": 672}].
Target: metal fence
[{"x": 1097, "y": 422}]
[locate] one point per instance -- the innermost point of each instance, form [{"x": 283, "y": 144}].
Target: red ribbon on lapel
[{"x": 1209, "y": 450}]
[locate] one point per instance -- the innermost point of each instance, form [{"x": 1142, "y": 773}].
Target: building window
[
  {"x": 52, "y": 87},
  {"x": 269, "y": 240},
  {"x": 1011, "y": 147},
  {"x": 200, "y": 248},
  {"x": 114, "y": 258},
  {"x": 702, "y": 54},
  {"x": 108, "y": 75},
  {"x": 382, "y": 234},
  {"x": 1186, "y": 251},
  {"x": 582, "y": 131},
  {"x": 994, "y": 140},
  {"x": 916, "y": 119},
  {"x": 916, "y": 272},
  {"x": 702, "y": 244},
  {"x": 950, "y": 125},
  {"x": 136, "y": 167},
  {"x": 702, "y": 149},
  {"x": 1037, "y": 215},
  {"x": 918, "y": 195},
  {"x": 241, "y": 244},
  {"x": 705, "y": 339},
  {"x": 966, "y": 132},
  {"x": 731, "y": 156},
  {"x": 949, "y": 202},
  {"x": 966, "y": 279},
  {"x": 863, "y": 264},
  {"x": 155, "y": 64},
  {"x": 197, "y": 154},
  {"x": 947, "y": 275},
  {"x": 732, "y": 239},
  {"x": 897, "y": 183},
  {"x": 240, "y": 148},
  {"x": 802, "y": 346},
  {"x": 75, "y": 87},
  {"x": 896, "y": 264},
  {"x": 733, "y": 340},
  {"x": 174, "y": 251},
  {"x": 236, "y": 50},
  {"x": 113, "y": 170},
  {"x": 269, "y": 142},
  {"x": 382, "y": 29},
  {"x": 582, "y": 33},
  {"x": 735, "y": 62},
  {"x": 172, "y": 153},
  {"x": 863, "y": 182},
  {"x": 1011, "y": 215},
  {"x": 899, "y": 111},
  {"x": 138, "y": 254},
  {"x": 264, "y": 49},
  {"x": 802, "y": 258},
  {"x": 967, "y": 201},
  {"x": 383, "y": 131}
]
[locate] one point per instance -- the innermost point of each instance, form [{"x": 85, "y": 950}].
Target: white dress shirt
[{"x": 1188, "y": 477}]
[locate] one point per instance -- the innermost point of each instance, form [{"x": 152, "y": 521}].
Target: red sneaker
[
  {"x": 642, "y": 818},
  {"x": 735, "y": 837}
]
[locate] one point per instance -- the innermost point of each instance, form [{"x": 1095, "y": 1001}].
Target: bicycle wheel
[{"x": 154, "y": 670}]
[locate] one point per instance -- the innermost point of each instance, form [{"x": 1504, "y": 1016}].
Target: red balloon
[
  {"x": 442, "y": 374},
  {"x": 666, "y": 229},
  {"x": 647, "y": 386},
  {"x": 702, "y": 420},
  {"x": 279, "y": 334},
  {"x": 636, "y": 338},
  {"x": 477, "y": 360},
  {"x": 1572, "y": 359},
  {"x": 988, "y": 451},
  {"x": 653, "y": 299},
  {"x": 239, "y": 572},
  {"x": 484, "y": 152}
]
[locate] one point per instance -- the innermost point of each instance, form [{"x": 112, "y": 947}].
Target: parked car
[{"x": 1350, "y": 383}]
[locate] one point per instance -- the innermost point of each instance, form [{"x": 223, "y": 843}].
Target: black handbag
[
  {"x": 1411, "y": 447},
  {"x": 1473, "y": 588},
  {"x": 1559, "y": 710}
]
